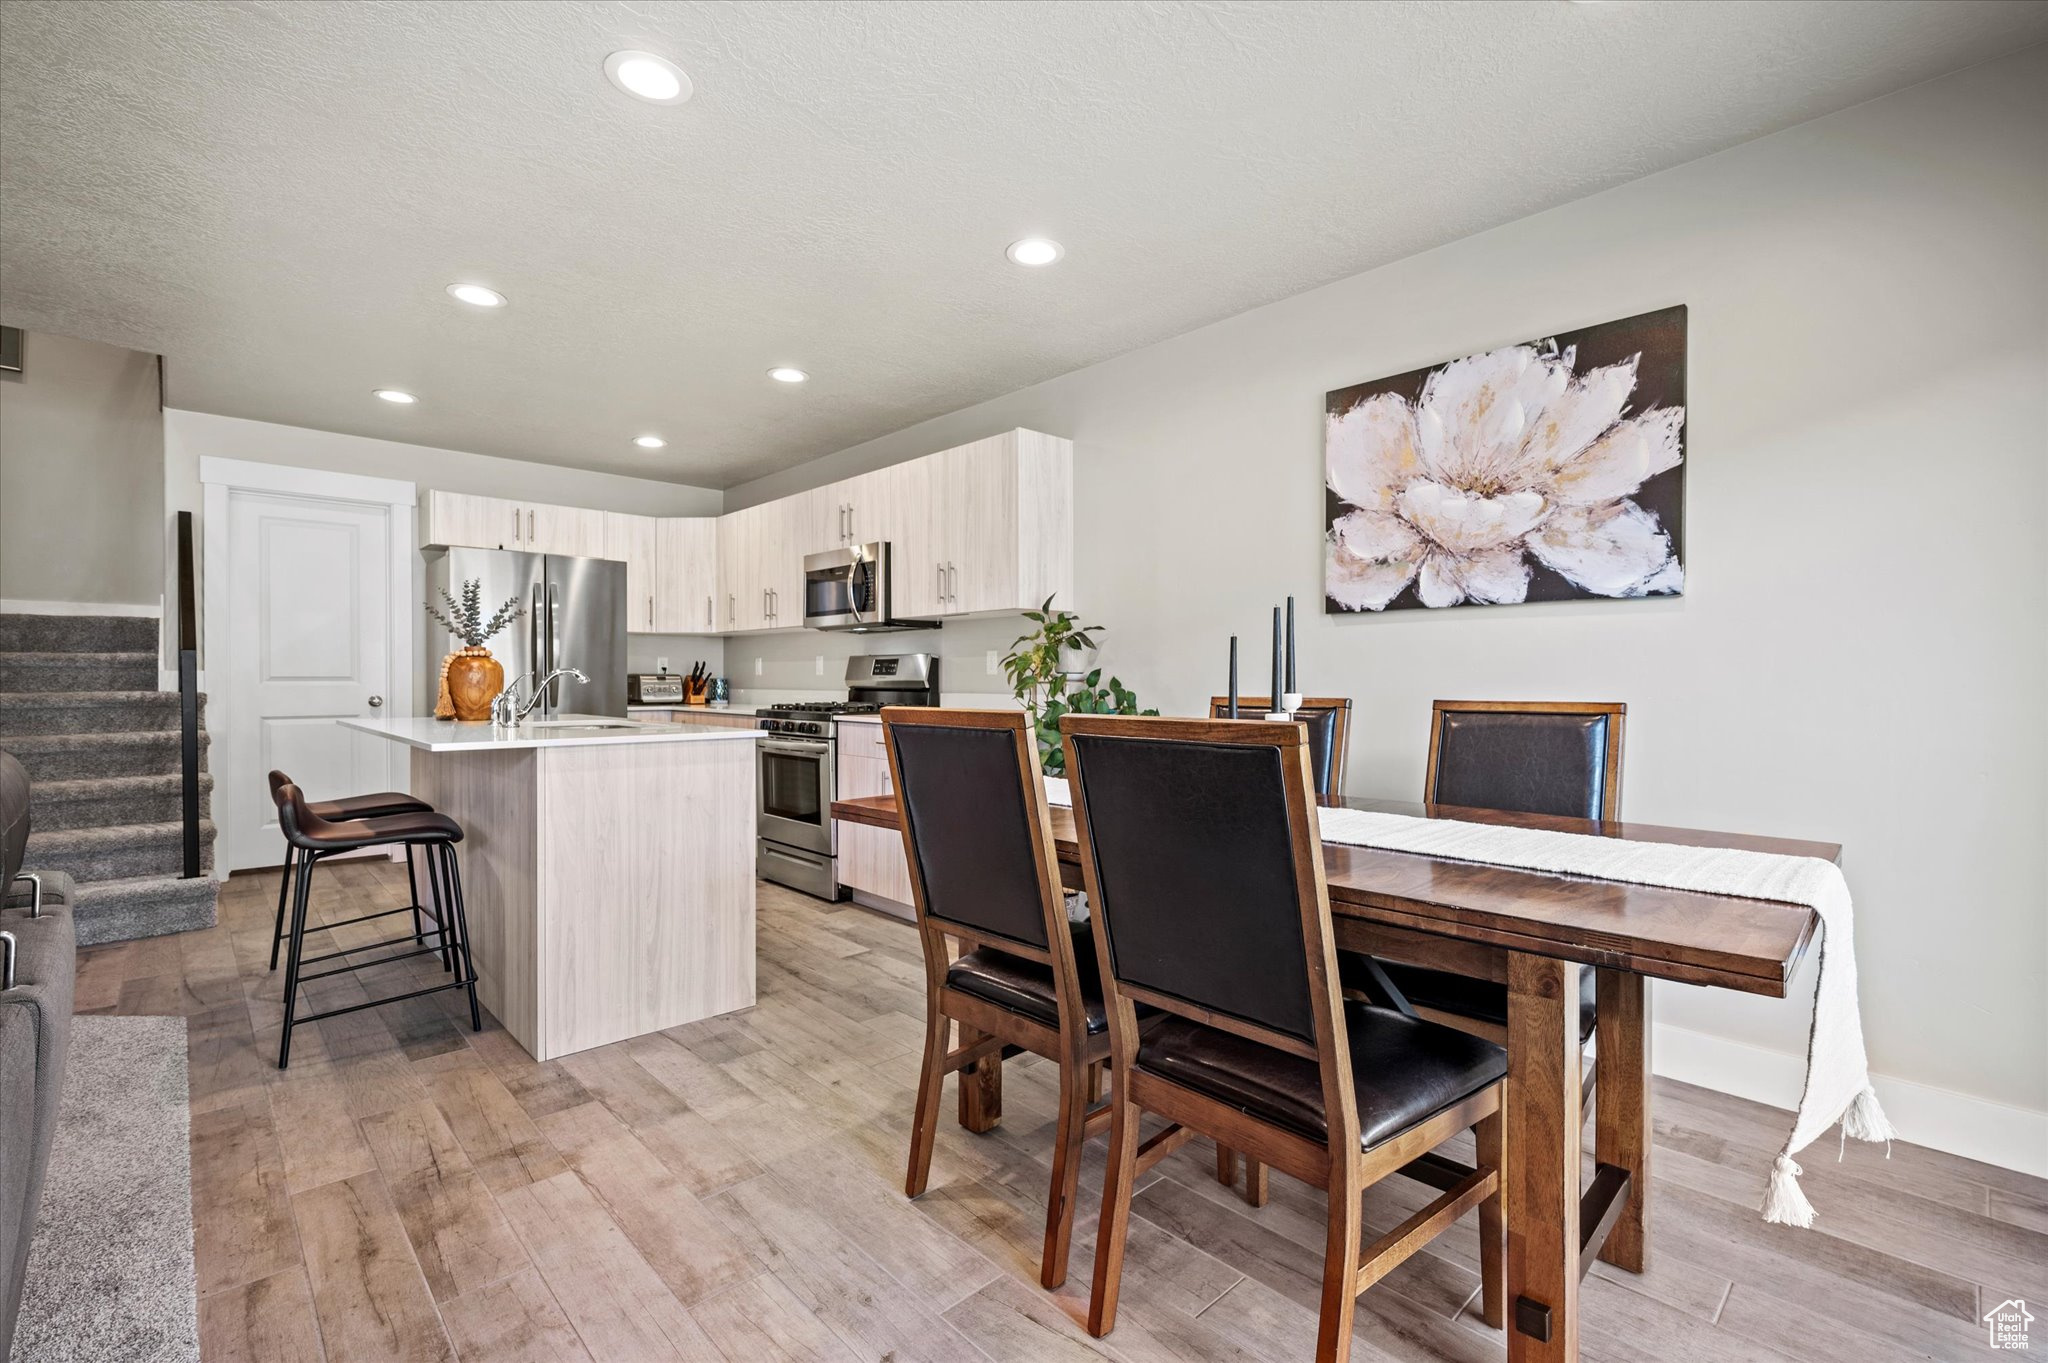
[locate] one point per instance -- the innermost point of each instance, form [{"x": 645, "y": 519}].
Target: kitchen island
[{"x": 607, "y": 869}]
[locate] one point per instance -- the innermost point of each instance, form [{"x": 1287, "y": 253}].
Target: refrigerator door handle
[
  {"x": 533, "y": 637},
  {"x": 554, "y": 650}
]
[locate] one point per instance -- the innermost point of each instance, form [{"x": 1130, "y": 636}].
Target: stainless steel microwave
[{"x": 849, "y": 589}]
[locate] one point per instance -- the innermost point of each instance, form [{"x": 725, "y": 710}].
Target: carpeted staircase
[{"x": 79, "y": 708}]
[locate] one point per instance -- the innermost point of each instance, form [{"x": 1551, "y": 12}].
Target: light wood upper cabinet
[
  {"x": 1000, "y": 523},
  {"x": 454, "y": 519},
  {"x": 457, "y": 519},
  {"x": 985, "y": 527},
  {"x": 739, "y": 570},
  {"x": 570, "y": 530},
  {"x": 631, "y": 540},
  {"x": 686, "y": 575}
]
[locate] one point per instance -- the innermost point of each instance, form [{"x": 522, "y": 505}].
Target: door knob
[{"x": 376, "y": 702}]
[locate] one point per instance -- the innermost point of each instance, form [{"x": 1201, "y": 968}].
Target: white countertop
[{"x": 447, "y": 735}]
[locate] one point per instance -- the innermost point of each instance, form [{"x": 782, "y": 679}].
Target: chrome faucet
[{"x": 506, "y": 710}]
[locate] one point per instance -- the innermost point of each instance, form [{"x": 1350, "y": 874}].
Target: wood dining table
[{"x": 1534, "y": 932}]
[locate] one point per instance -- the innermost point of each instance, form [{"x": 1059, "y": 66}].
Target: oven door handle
[{"x": 798, "y": 749}]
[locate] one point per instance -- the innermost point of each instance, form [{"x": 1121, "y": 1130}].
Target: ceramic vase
[{"x": 474, "y": 680}]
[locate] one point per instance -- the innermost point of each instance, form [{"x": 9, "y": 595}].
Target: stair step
[
  {"x": 89, "y": 712},
  {"x": 143, "y": 906},
  {"x": 77, "y": 671},
  {"x": 78, "y": 633},
  {"x": 94, "y": 802},
  {"x": 121, "y": 852},
  {"x": 70, "y": 757}
]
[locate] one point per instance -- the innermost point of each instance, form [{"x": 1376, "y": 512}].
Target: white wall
[
  {"x": 81, "y": 490},
  {"x": 190, "y": 436},
  {"x": 1860, "y": 655}
]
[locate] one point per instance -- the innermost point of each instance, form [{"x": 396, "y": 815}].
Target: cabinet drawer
[{"x": 862, "y": 740}]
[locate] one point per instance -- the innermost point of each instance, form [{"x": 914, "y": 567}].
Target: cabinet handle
[
  {"x": 953, "y": 584},
  {"x": 849, "y": 523},
  {"x": 732, "y": 608},
  {"x": 515, "y": 525},
  {"x": 707, "y": 612},
  {"x": 939, "y": 588},
  {"x": 650, "y": 610}
]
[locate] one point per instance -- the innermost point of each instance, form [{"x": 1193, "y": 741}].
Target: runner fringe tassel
[{"x": 1784, "y": 1203}]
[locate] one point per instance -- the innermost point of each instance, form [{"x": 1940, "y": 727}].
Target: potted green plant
[
  {"x": 1044, "y": 668},
  {"x": 470, "y": 677}
]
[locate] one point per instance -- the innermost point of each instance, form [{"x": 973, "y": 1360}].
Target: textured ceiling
[{"x": 273, "y": 195}]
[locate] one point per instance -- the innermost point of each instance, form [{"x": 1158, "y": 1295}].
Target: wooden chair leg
[
  {"x": 981, "y": 1089},
  {"x": 1254, "y": 1182},
  {"x": 1115, "y": 1227},
  {"x": 1066, "y": 1173},
  {"x": 1341, "y": 1253},
  {"x": 924, "y": 1127},
  {"x": 1096, "y": 1074},
  {"x": 1226, "y": 1164},
  {"x": 1490, "y": 1138}
]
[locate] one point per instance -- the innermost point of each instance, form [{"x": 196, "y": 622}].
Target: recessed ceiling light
[
  {"x": 784, "y": 374},
  {"x": 646, "y": 76},
  {"x": 1035, "y": 251},
  {"x": 476, "y": 295},
  {"x": 397, "y": 395},
  {"x": 649, "y": 442}
]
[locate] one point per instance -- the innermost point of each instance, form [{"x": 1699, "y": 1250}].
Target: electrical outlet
[
  {"x": 661, "y": 664},
  {"x": 757, "y": 667},
  {"x": 994, "y": 662},
  {"x": 821, "y": 664}
]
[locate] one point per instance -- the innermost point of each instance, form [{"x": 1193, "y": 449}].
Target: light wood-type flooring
[{"x": 732, "y": 1190}]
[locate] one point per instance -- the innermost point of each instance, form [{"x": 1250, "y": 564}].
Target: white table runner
[{"x": 1837, "y": 1067}]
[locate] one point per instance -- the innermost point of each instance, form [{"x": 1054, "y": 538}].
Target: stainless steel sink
[{"x": 583, "y": 724}]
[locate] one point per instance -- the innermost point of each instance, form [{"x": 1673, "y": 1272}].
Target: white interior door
[{"x": 309, "y": 642}]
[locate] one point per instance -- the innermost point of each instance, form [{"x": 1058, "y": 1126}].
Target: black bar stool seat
[
  {"x": 311, "y": 838},
  {"x": 353, "y": 835},
  {"x": 367, "y": 806},
  {"x": 380, "y": 805}
]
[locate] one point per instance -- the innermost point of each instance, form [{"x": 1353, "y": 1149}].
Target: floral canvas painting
[{"x": 1539, "y": 472}]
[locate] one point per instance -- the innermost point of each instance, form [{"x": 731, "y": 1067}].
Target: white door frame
[{"x": 221, "y": 477}]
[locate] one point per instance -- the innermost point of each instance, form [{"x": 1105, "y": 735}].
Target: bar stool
[
  {"x": 314, "y": 839},
  {"x": 355, "y": 807}
]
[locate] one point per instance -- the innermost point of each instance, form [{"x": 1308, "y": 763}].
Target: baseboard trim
[
  {"x": 1940, "y": 1119},
  {"x": 14, "y": 606}
]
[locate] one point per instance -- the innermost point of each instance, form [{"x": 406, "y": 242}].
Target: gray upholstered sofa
[{"x": 35, "y": 1027}]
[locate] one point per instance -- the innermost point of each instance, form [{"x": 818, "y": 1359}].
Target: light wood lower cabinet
[
  {"x": 609, "y": 887},
  {"x": 694, "y": 714},
  {"x": 870, "y": 859}
]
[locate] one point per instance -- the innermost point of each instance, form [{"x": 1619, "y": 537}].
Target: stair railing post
[{"x": 188, "y": 693}]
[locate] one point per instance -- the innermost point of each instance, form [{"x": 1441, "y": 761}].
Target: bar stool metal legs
[
  {"x": 445, "y": 877},
  {"x": 420, "y": 912}
]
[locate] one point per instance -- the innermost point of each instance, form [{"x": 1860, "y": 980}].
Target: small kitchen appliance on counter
[
  {"x": 655, "y": 688},
  {"x": 798, "y": 844}
]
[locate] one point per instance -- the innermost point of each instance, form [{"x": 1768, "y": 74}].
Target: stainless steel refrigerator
[{"x": 574, "y": 615}]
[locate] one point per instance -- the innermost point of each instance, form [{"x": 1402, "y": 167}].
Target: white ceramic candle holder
[
  {"x": 1291, "y": 702},
  {"x": 1279, "y": 717}
]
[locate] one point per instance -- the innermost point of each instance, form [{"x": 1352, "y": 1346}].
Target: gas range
[
  {"x": 799, "y": 843},
  {"x": 810, "y": 717}
]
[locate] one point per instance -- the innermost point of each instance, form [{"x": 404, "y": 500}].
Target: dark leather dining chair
[
  {"x": 1329, "y": 732},
  {"x": 1528, "y": 757},
  {"x": 1204, "y": 867},
  {"x": 984, "y": 873}
]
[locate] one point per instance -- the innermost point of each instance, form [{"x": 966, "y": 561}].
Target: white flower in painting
[{"x": 1505, "y": 456}]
